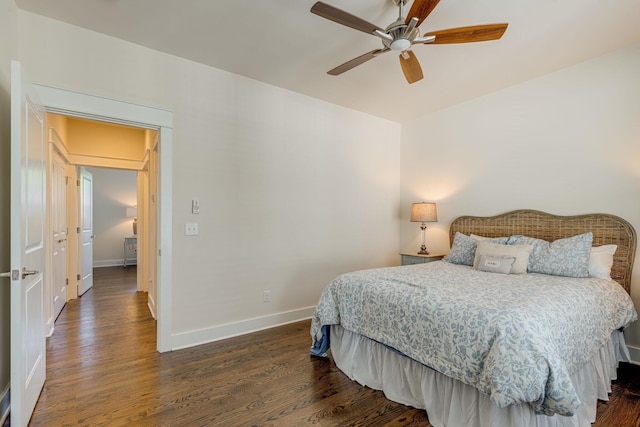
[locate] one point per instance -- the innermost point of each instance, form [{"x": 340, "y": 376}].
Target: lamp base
[{"x": 423, "y": 250}]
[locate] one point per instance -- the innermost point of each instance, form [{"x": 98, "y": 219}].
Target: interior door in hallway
[
  {"x": 28, "y": 252},
  {"x": 86, "y": 231},
  {"x": 59, "y": 230}
]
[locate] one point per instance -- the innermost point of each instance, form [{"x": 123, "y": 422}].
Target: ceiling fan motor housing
[{"x": 400, "y": 38}]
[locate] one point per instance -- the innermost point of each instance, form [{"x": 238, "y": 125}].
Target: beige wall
[
  {"x": 566, "y": 143},
  {"x": 91, "y": 138},
  {"x": 59, "y": 125}
]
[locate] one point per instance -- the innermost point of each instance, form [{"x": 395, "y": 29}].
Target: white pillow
[
  {"x": 601, "y": 261},
  {"x": 496, "y": 239},
  {"x": 496, "y": 264},
  {"x": 519, "y": 252}
]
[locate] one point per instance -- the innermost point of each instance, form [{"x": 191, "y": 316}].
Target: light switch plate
[{"x": 191, "y": 229}]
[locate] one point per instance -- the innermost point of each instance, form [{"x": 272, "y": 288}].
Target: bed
[{"x": 484, "y": 348}]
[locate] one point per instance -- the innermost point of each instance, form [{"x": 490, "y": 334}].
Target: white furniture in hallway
[{"x": 130, "y": 249}]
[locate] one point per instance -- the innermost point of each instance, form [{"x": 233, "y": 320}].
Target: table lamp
[
  {"x": 423, "y": 212},
  {"x": 132, "y": 212}
]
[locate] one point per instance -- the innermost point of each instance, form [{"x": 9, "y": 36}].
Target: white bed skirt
[{"x": 451, "y": 403}]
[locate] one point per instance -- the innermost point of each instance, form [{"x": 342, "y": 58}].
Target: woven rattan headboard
[{"x": 607, "y": 230}]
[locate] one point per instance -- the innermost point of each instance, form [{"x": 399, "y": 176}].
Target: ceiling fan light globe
[{"x": 400, "y": 44}]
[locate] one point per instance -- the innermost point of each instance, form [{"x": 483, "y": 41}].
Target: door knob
[
  {"x": 13, "y": 274},
  {"x": 26, "y": 272}
]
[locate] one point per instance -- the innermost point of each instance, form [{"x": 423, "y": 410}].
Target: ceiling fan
[{"x": 401, "y": 34}]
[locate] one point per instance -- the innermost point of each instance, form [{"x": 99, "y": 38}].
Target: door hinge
[
  {"x": 77, "y": 183},
  {"x": 159, "y": 252},
  {"x": 77, "y": 229},
  {"x": 66, "y": 180},
  {"x": 67, "y": 281},
  {"x": 77, "y": 277}
]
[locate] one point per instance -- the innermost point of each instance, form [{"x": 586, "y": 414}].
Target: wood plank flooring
[{"x": 103, "y": 370}]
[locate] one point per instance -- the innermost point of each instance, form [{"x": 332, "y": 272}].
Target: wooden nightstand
[{"x": 415, "y": 258}]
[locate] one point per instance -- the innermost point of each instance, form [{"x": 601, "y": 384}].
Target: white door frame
[{"x": 75, "y": 104}]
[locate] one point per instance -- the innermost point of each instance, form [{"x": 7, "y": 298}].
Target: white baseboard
[
  {"x": 152, "y": 306},
  {"x": 634, "y": 352},
  {"x": 112, "y": 263},
  {"x": 229, "y": 330}
]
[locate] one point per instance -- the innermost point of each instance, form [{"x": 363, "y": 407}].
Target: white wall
[
  {"x": 292, "y": 190},
  {"x": 566, "y": 143},
  {"x": 113, "y": 191}
]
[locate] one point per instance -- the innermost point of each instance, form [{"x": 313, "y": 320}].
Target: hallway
[{"x": 100, "y": 342}]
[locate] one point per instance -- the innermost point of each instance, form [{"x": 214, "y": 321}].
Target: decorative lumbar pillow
[
  {"x": 601, "y": 261},
  {"x": 463, "y": 248},
  {"x": 519, "y": 253},
  {"x": 564, "y": 257},
  {"x": 495, "y": 264}
]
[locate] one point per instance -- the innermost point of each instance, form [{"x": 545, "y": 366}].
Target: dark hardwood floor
[{"x": 103, "y": 370}]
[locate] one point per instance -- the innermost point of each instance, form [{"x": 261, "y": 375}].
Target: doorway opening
[
  {"x": 110, "y": 165},
  {"x": 154, "y": 172}
]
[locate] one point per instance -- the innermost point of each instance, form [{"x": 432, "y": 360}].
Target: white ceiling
[{"x": 281, "y": 43}]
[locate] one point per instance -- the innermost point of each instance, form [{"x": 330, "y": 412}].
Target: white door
[
  {"x": 28, "y": 344},
  {"x": 86, "y": 231},
  {"x": 59, "y": 234}
]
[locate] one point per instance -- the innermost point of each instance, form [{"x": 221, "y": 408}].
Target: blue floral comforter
[{"x": 516, "y": 338}]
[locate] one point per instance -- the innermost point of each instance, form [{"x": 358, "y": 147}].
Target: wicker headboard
[{"x": 607, "y": 229}]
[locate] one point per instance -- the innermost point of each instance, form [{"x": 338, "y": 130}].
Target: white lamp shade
[{"x": 424, "y": 212}]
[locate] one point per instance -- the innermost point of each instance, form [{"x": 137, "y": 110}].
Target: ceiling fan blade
[
  {"x": 475, "y": 33},
  {"x": 421, "y": 9},
  {"x": 341, "y": 17},
  {"x": 410, "y": 66},
  {"x": 356, "y": 61}
]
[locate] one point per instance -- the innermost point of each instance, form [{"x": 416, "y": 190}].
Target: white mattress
[{"x": 451, "y": 403}]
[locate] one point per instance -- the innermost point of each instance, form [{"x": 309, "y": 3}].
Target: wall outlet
[
  {"x": 191, "y": 229},
  {"x": 266, "y": 296}
]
